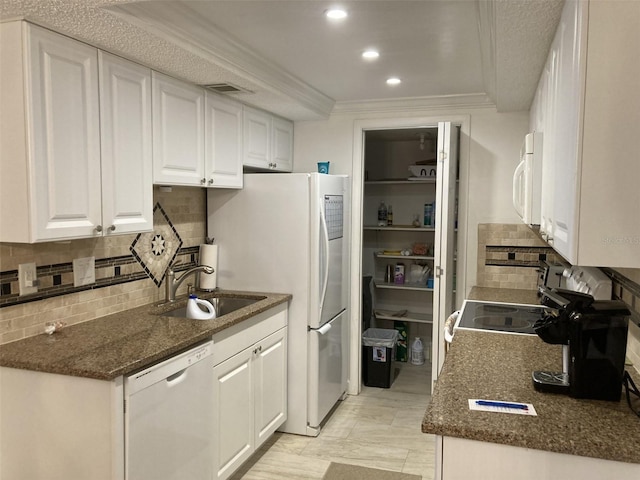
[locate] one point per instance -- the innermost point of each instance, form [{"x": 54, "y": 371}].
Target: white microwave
[{"x": 527, "y": 180}]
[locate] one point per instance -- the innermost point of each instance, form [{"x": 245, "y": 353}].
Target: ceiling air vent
[{"x": 226, "y": 88}]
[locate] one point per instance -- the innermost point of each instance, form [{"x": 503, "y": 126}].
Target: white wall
[{"x": 494, "y": 146}]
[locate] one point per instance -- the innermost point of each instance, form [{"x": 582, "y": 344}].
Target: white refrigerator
[{"x": 287, "y": 233}]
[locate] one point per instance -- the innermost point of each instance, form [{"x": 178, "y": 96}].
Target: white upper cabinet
[
  {"x": 50, "y": 185},
  {"x": 282, "y": 144},
  {"x": 76, "y": 140},
  {"x": 268, "y": 141},
  {"x": 178, "y": 132},
  {"x": 591, "y": 127},
  {"x": 125, "y": 124},
  {"x": 223, "y": 151}
]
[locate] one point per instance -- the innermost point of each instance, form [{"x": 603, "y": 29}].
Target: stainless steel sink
[{"x": 223, "y": 305}]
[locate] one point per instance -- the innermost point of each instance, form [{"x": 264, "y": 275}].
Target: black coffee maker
[{"x": 593, "y": 335}]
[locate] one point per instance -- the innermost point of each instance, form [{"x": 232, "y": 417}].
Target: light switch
[
  {"x": 27, "y": 278},
  {"x": 84, "y": 271}
]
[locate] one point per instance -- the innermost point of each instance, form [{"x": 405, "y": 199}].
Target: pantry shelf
[
  {"x": 403, "y": 257},
  {"x": 406, "y": 317},
  {"x": 401, "y": 286},
  {"x": 401, "y": 181},
  {"x": 400, "y": 228}
]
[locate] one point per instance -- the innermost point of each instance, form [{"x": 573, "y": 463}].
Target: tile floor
[{"x": 380, "y": 428}]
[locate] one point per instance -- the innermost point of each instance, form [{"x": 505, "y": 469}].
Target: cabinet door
[
  {"x": 65, "y": 137},
  {"x": 567, "y": 125},
  {"x": 233, "y": 413},
  {"x": 257, "y": 138},
  {"x": 223, "y": 151},
  {"x": 282, "y": 145},
  {"x": 548, "y": 84},
  {"x": 178, "y": 132},
  {"x": 125, "y": 124},
  {"x": 270, "y": 370}
]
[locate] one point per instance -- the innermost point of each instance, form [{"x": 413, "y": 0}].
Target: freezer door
[{"x": 328, "y": 362}]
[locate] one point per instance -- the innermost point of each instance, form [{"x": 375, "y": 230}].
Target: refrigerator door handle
[{"x": 324, "y": 240}]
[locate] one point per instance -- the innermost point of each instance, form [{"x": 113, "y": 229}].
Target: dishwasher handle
[
  {"x": 171, "y": 370},
  {"x": 177, "y": 378}
]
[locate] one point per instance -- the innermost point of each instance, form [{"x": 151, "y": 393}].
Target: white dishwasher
[{"x": 169, "y": 418}]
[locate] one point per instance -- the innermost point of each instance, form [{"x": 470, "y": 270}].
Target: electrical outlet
[
  {"x": 84, "y": 271},
  {"x": 27, "y": 278}
]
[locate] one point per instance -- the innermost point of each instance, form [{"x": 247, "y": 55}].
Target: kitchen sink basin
[{"x": 223, "y": 305}]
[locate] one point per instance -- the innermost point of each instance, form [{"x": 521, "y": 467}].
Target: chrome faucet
[{"x": 172, "y": 283}]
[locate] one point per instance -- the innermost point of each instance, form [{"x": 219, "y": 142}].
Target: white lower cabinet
[
  {"x": 460, "y": 458},
  {"x": 60, "y": 427},
  {"x": 250, "y": 388}
]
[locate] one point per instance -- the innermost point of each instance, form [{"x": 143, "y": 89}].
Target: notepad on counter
[{"x": 501, "y": 406}]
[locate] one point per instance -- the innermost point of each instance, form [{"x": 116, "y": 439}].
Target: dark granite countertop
[
  {"x": 505, "y": 295},
  {"x": 498, "y": 366},
  {"x": 118, "y": 344}
]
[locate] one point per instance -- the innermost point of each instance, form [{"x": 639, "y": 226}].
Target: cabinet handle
[
  {"x": 550, "y": 240},
  {"x": 211, "y": 181},
  {"x": 203, "y": 181},
  {"x": 99, "y": 228}
]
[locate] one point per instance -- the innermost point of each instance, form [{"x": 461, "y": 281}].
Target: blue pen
[{"x": 489, "y": 403}]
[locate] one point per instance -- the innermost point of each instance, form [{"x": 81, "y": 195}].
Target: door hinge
[
  {"x": 443, "y": 156},
  {"x": 438, "y": 271}
]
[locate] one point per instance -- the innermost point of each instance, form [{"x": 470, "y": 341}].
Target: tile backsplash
[
  {"x": 509, "y": 256},
  {"x": 129, "y": 272}
]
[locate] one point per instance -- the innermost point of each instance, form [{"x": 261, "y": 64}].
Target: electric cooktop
[{"x": 500, "y": 317}]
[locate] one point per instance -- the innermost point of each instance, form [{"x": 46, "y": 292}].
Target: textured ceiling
[{"x": 297, "y": 66}]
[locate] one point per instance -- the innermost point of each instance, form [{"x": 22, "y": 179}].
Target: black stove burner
[{"x": 511, "y": 318}]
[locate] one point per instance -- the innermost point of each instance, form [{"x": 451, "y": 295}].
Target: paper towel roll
[{"x": 209, "y": 256}]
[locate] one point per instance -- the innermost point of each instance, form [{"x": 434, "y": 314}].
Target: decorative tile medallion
[{"x": 156, "y": 250}]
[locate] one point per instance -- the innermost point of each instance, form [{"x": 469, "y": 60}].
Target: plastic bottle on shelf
[
  {"x": 417, "y": 352},
  {"x": 382, "y": 215},
  {"x": 390, "y": 215},
  {"x": 428, "y": 214},
  {"x": 195, "y": 311}
]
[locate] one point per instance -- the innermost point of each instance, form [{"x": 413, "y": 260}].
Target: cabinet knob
[
  {"x": 203, "y": 181},
  {"x": 211, "y": 181},
  {"x": 112, "y": 228},
  {"x": 98, "y": 228},
  {"x": 550, "y": 240}
]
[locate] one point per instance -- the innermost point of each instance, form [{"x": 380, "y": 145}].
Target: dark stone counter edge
[{"x": 266, "y": 301}]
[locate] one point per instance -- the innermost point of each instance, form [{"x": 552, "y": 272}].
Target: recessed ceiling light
[
  {"x": 393, "y": 81},
  {"x": 370, "y": 54},
  {"x": 336, "y": 14}
]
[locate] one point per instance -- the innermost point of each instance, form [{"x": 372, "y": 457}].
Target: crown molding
[
  {"x": 448, "y": 102},
  {"x": 182, "y": 26}
]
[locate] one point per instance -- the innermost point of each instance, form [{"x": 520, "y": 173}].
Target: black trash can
[{"x": 378, "y": 356}]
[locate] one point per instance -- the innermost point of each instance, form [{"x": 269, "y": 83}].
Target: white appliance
[
  {"x": 527, "y": 180},
  {"x": 287, "y": 233},
  {"x": 589, "y": 280},
  {"x": 169, "y": 418}
]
